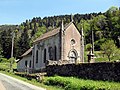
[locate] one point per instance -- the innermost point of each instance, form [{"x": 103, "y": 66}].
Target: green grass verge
[
  {"x": 71, "y": 83},
  {"x": 99, "y": 57}
]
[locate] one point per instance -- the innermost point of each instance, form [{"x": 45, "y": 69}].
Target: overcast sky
[{"x": 17, "y": 11}]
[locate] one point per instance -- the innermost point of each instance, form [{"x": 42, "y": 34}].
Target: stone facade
[
  {"x": 59, "y": 46},
  {"x": 25, "y": 62},
  {"x": 47, "y": 49},
  {"x": 71, "y": 43}
]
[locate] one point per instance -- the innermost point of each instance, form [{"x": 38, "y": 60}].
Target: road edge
[
  {"x": 2, "y": 86},
  {"x": 23, "y": 82}
]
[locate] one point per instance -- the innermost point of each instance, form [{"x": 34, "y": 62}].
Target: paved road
[{"x": 10, "y": 83}]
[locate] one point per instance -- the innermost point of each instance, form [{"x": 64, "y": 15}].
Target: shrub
[
  {"x": 3, "y": 60},
  {"x": 88, "y": 47},
  {"x": 59, "y": 81}
]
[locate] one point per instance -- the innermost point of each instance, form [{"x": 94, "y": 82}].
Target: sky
[{"x": 17, "y": 11}]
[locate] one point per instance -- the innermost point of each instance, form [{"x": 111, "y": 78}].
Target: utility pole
[
  {"x": 13, "y": 36},
  {"x": 92, "y": 42},
  {"x": 91, "y": 53},
  {"x": 11, "y": 61}
]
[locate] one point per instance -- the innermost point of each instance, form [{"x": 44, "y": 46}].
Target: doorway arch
[{"x": 73, "y": 55}]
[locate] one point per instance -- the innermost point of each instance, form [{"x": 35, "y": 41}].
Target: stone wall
[{"x": 97, "y": 71}]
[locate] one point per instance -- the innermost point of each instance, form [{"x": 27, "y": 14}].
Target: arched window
[
  {"x": 44, "y": 55},
  {"x": 72, "y": 42},
  {"x": 50, "y": 53},
  {"x": 37, "y": 56},
  {"x": 30, "y": 64},
  {"x": 26, "y": 63},
  {"x": 73, "y": 55},
  {"x": 55, "y": 53}
]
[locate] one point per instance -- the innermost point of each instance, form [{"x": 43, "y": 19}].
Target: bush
[
  {"x": 3, "y": 60},
  {"x": 57, "y": 81},
  {"x": 88, "y": 47}
]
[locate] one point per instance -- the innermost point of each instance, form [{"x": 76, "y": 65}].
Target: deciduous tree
[{"x": 109, "y": 48}]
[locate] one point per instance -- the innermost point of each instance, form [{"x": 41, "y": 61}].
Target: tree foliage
[{"x": 109, "y": 48}]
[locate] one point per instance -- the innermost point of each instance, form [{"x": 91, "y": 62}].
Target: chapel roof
[
  {"x": 27, "y": 52},
  {"x": 51, "y": 33}
]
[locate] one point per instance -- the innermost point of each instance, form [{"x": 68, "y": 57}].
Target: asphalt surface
[{"x": 10, "y": 83}]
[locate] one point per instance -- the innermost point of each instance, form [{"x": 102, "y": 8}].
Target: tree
[
  {"x": 5, "y": 40},
  {"x": 23, "y": 42},
  {"x": 109, "y": 48},
  {"x": 113, "y": 20}
]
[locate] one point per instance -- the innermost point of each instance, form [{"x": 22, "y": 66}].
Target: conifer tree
[{"x": 23, "y": 42}]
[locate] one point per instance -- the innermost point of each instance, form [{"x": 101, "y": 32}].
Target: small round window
[{"x": 72, "y": 41}]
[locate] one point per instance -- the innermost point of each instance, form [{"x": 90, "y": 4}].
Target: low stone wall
[{"x": 97, "y": 71}]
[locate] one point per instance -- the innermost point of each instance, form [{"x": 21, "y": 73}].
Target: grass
[
  {"x": 71, "y": 83},
  {"x": 100, "y": 57}
]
